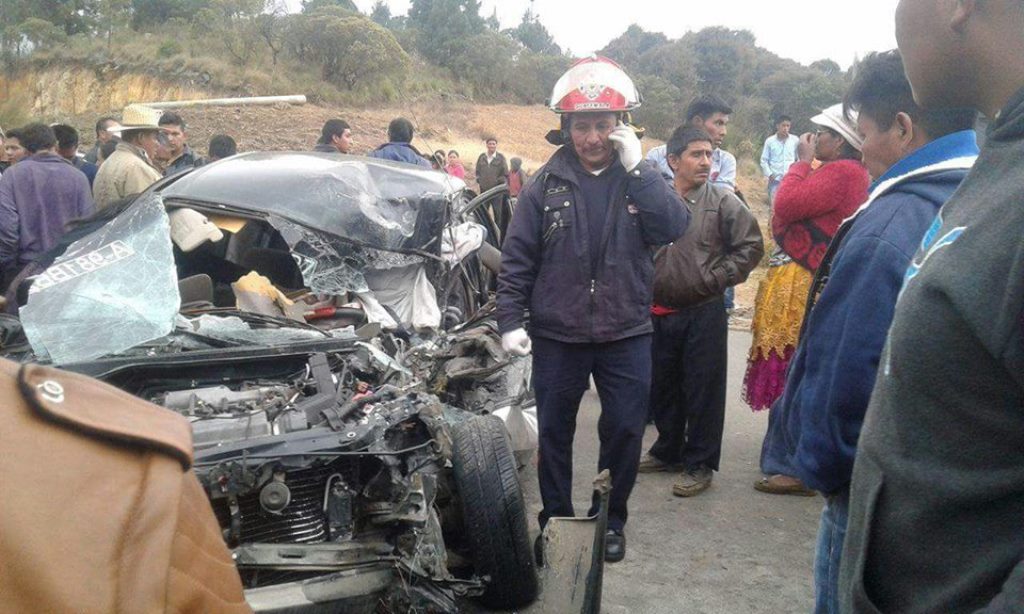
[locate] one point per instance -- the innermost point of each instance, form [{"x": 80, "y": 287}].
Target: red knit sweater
[{"x": 810, "y": 205}]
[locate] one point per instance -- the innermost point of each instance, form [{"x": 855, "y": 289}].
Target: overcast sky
[{"x": 804, "y": 30}]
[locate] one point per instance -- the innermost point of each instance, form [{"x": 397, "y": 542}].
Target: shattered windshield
[{"x": 111, "y": 290}]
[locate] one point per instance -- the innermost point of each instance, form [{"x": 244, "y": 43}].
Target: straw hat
[
  {"x": 834, "y": 119},
  {"x": 137, "y": 117}
]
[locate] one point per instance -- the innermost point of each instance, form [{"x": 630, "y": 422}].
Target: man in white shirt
[
  {"x": 778, "y": 155},
  {"x": 711, "y": 114}
]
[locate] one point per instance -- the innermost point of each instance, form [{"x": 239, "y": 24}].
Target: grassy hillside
[{"x": 442, "y": 53}]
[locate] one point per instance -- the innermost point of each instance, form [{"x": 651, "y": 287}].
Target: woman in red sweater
[{"x": 811, "y": 202}]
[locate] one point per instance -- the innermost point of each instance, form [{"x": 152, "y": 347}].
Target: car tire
[{"x": 493, "y": 511}]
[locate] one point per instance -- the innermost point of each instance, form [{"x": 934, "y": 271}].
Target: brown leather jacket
[
  {"x": 720, "y": 248},
  {"x": 101, "y": 512}
]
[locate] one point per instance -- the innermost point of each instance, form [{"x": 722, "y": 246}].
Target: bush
[
  {"x": 41, "y": 33},
  {"x": 169, "y": 48},
  {"x": 348, "y": 50}
]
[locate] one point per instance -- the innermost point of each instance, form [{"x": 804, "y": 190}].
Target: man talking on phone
[{"x": 576, "y": 283}]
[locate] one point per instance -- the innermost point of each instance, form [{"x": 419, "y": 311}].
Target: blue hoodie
[
  {"x": 832, "y": 373},
  {"x": 399, "y": 152}
]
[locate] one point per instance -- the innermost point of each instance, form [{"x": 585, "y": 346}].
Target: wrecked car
[{"x": 322, "y": 321}]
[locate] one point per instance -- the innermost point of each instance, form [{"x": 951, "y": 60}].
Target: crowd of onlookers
[
  {"x": 492, "y": 167},
  {"x": 46, "y": 182}
]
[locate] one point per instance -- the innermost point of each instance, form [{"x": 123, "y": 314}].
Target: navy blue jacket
[
  {"x": 88, "y": 168},
  {"x": 832, "y": 373},
  {"x": 399, "y": 152},
  {"x": 546, "y": 266}
]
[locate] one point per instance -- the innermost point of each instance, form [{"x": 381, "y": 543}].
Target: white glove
[
  {"x": 516, "y": 342},
  {"x": 625, "y": 142}
]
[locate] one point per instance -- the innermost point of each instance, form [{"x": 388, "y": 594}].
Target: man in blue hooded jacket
[
  {"x": 936, "y": 520},
  {"x": 917, "y": 159},
  {"x": 399, "y": 146}
]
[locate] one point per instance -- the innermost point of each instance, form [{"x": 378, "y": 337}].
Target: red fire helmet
[{"x": 594, "y": 84}]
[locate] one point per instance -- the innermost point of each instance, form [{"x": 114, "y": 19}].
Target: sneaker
[
  {"x": 614, "y": 546},
  {"x": 653, "y": 464},
  {"x": 693, "y": 482}
]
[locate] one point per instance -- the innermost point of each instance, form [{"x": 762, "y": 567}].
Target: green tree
[
  {"x": 271, "y": 28},
  {"x": 535, "y": 74},
  {"x": 829, "y": 68},
  {"x": 381, "y": 13},
  {"x": 534, "y": 36},
  {"x": 154, "y": 13},
  {"x": 492, "y": 22},
  {"x": 673, "y": 62},
  {"x": 801, "y": 93},
  {"x": 348, "y": 50},
  {"x": 487, "y": 63},
  {"x": 309, "y": 6},
  {"x": 445, "y": 27},
  {"x": 41, "y": 33},
  {"x": 70, "y": 16},
  {"x": 111, "y": 16},
  {"x": 722, "y": 58},
  {"x": 662, "y": 110},
  {"x": 239, "y": 9},
  {"x": 631, "y": 44},
  {"x": 235, "y": 25}
]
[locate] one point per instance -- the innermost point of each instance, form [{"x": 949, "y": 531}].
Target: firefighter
[{"x": 577, "y": 259}]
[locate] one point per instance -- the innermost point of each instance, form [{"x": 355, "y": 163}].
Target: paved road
[{"x": 729, "y": 550}]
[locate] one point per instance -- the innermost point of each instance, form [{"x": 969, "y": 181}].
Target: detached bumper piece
[{"x": 573, "y": 569}]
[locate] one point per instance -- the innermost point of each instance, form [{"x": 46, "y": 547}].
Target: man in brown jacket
[
  {"x": 130, "y": 169},
  {"x": 721, "y": 246},
  {"x": 103, "y": 513},
  {"x": 491, "y": 167}
]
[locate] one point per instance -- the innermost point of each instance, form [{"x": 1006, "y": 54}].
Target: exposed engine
[
  {"x": 327, "y": 460},
  {"x": 220, "y": 414}
]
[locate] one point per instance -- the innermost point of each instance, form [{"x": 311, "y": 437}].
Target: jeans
[
  {"x": 831, "y": 532},
  {"x": 730, "y": 298},
  {"x": 773, "y": 186}
]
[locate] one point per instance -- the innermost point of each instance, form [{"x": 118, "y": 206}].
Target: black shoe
[
  {"x": 538, "y": 550},
  {"x": 614, "y": 546}
]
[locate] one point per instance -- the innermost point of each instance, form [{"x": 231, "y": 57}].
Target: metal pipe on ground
[{"x": 226, "y": 102}]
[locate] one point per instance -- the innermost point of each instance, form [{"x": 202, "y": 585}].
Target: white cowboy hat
[
  {"x": 137, "y": 117},
  {"x": 846, "y": 127}
]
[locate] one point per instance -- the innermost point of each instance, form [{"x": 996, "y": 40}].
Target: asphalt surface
[{"x": 729, "y": 550}]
